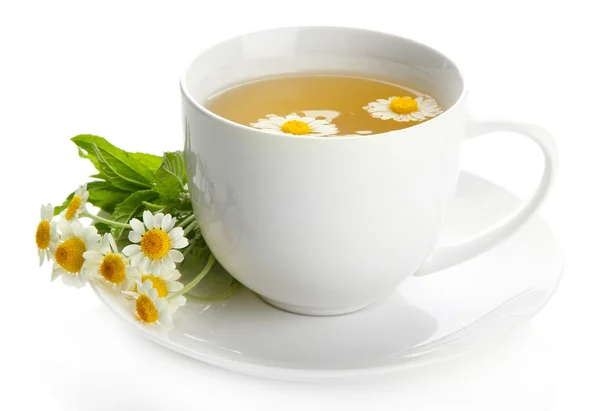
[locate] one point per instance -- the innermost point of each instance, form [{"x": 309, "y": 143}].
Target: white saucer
[{"x": 424, "y": 319}]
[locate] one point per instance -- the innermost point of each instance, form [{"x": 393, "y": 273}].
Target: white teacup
[{"x": 326, "y": 226}]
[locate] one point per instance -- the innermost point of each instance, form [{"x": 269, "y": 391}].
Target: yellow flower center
[
  {"x": 73, "y": 207},
  {"x": 69, "y": 254},
  {"x": 42, "y": 235},
  {"x": 156, "y": 243},
  {"x": 113, "y": 268},
  {"x": 159, "y": 285},
  {"x": 146, "y": 309},
  {"x": 296, "y": 127},
  {"x": 403, "y": 105}
]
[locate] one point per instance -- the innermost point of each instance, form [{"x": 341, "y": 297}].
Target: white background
[{"x": 112, "y": 69}]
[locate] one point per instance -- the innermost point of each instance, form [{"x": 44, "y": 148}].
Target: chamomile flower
[
  {"x": 77, "y": 204},
  {"x": 74, "y": 241},
  {"x": 159, "y": 241},
  {"x": 403, "y": 109},
  {"x": 46, "y": 234},
  {"x": 149, "y": 307},
  {"x": 165, "y": 285},
  {"x": 107, "y": 266},
  {"x": 296, "y": 125}
]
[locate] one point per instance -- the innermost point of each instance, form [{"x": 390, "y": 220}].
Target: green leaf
[
  {"x": 102, "y": 228},
  {"x": 151, "y": 161},
  {"x": 118, "y": 172},
  {"x": 170, "y": 177},
  {"x": 116, "y": 166},
  {"x": 130, "y": 208},
  {"x": 105, "y": 196}
]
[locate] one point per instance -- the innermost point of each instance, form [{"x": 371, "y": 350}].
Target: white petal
[
  {"x": 292, "y": 116},
  {"x": 93, "y": 256},
  {"x": 173, "y": 276},
  {"x": 137, "y": 259},
  {"x": 158, "y": 219},
  {"x": 47, "y": 212},
  {"x": 132, "y": 250},
  {"x": 166, "y": 222},
  {"x": 176, "y": 255},
  {"x": 174, "y": 286},
  {"x": 265, "y": 125},
  {"x": 179, "y": 243},
  {"x": 134, "y": 237},
  {"x": 278, "y": 121},
  {"x": 155, "y": 267},
  {"x": 401, "y": 118},
  {"x": 384, "y": 101},
  {"x": 379, "y": 109},
  {"x": 65, "y": 228},
  {"x": 42, "y": 255},
  {"x": 167, "y": 263},
  {"x": 77, "y": 229},
  {"x": 148, "y": 219},
  {"x": 131, "y": 294},
  {"x": 137, "y": 226},
  {"x": 92, "y": 240},
  {"x": 56, "y": 272},
  {"x": 310, "y": 120},
  {"x": 111, "y": 241},
  {"x": 175, "y": 233}
]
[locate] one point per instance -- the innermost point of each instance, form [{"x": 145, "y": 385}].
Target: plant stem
[
  {"x": 190, "y": 227},
  {"x": 187, "y": 220},
  {"x": 195, "y": 281},
  {"x": 99, "y": 219}
]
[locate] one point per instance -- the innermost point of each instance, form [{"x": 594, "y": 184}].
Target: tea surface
[{"x": 323, "y": 105}]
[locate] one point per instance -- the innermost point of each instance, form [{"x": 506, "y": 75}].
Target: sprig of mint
[{"x": 127, "y": 183}]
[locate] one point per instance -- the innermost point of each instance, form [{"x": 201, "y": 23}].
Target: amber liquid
[{"x": 336, "y": 98}]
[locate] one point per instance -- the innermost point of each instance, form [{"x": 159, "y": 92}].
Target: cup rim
[{"x": 264, "y": 133}]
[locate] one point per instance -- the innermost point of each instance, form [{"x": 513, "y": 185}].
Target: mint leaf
[
  {"x": 116, "y": 166},
  {"x": 106, "y": 196},
  {"x": 102, "y": 228},
  {"x": 170, "y": 177},
  {"x": 151, "y": 161},
  {"x": 130, "y": 208}
]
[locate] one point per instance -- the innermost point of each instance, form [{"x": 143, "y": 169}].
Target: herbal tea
[{"x": 323, "y": 105}]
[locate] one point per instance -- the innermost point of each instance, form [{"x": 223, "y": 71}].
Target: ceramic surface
[
  {"x": 424, "y": 319},
  {"x": 326, "y": 226}
]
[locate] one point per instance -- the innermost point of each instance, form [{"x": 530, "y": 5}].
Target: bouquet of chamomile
[{"x": 142, "y": 234}]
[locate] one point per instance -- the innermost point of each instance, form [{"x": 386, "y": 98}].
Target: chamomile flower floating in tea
[
  {"x": 296, "y": 125},
  {"x": 159, "y": 243},
  {"x": 77, "y": 204},
  {"x": 166, "y": 285},
  {"x": 404, "y": 109},
  {"x": 149, "y": 307},
  {"x": 46, "y": 234},
  {"x": 107, "y": 266},
  {"x": 74, "y": 241}
]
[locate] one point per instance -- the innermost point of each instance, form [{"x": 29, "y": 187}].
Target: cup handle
[{"x": 448, "y": 256}]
